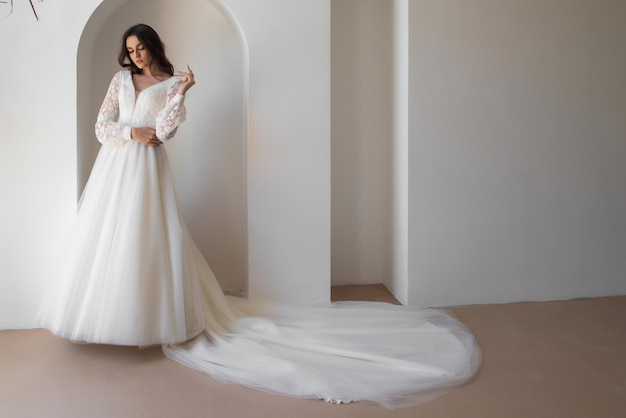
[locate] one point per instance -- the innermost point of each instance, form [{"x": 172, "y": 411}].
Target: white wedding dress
[{"x": 129, "y": 273}]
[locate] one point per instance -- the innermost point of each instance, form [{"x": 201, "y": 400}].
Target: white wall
[
  {"x": 288, "y": 149},
  {"x": 398, "y": 281},
  {"x": 38, "y": 139},
  {"x": 517, "y": 180},
  {"x": 362, "y": 140}
]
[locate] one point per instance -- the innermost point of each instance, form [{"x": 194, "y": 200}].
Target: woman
[
  {"x": 130, "y": 274},
  {"x": 135, "y": 277}
]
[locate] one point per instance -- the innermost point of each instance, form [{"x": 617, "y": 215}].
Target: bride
[{"x": 130, "y": 274}]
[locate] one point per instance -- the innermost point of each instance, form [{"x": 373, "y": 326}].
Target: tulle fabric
[
  {"x": 129, "y": 273},
  {"x": 340, "y": 352},
  {"x": 132, "y": 275}
]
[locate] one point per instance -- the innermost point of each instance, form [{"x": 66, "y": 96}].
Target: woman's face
[{"x": 138, "y": 52}]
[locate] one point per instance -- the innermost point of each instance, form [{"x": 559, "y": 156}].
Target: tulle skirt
[
  {"x": 129, "y": 273},
  {"x": 340, "y": 352}
]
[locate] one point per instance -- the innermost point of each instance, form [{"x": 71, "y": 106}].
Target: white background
[{"x": 516, "y": 141}]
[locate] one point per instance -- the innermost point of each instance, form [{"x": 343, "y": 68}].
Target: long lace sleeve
[
  {"x": 108, "y": 130},
  {"x": 173, "y": 114}
]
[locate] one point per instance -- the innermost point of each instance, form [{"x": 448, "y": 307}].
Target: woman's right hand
[{"x": 145, "y": 135}]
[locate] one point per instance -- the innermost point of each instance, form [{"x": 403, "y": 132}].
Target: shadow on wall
[{"x": 208, "y": 155}]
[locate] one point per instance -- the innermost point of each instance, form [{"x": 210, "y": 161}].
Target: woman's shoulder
[
  {"x": 120, "y": 75},
  {"x": 124, "y": 72}
]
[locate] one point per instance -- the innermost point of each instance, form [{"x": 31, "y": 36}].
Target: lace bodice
[{"x": 159, "y": 106}]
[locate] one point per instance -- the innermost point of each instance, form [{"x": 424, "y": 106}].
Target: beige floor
[{"x": 545, "y": 359}]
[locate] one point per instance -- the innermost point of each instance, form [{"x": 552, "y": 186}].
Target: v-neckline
[{"x": 138, "y": 92}]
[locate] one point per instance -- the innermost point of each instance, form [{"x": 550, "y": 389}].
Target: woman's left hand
[{"x": 188, "y": 80}]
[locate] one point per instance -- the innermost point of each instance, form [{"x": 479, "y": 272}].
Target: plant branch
[
  {"x": 33, "y": 7},
  {"x": 10, "y": 2}
]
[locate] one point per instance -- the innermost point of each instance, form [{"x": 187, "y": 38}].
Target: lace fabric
[{"x": 159, "y": 106}]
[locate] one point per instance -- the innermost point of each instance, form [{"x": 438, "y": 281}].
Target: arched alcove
[{"x": 208, "y": 154}]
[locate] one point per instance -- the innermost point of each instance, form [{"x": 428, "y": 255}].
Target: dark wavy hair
[{"x": 152, "y": 42}]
